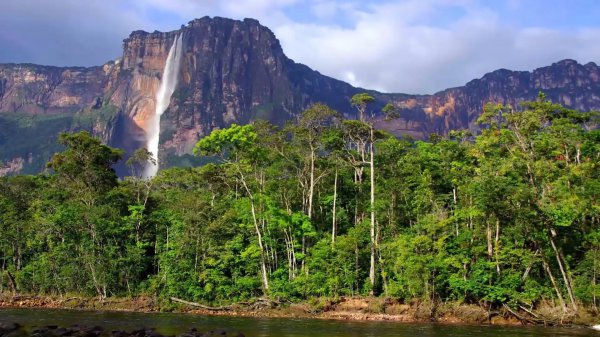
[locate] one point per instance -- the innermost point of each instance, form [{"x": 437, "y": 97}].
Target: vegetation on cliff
[
  {"x": 322, "y": 207},
  {"x": 33, "y": 138}
]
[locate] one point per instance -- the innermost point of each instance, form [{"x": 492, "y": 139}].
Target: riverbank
[{"x": 343, "y": 308}]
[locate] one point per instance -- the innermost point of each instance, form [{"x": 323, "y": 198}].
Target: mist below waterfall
[{"x": 163, "y": 98}]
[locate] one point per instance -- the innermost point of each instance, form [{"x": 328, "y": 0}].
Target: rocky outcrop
[
  {"x": 234, "y": 72},
  {"x": 33, "y": 89},
  {"x": 14, "y": 165},
  {"x": 566, "y": 82}
]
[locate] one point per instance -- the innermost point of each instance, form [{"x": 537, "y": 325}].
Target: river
[{"x": 168, "y": 323}]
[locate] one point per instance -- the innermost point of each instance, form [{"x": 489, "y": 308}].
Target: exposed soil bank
[{"x": 344, "y": 308}]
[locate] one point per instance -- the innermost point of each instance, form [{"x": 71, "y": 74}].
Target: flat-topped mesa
[
  {"x": 231, "y": 72},
  {"x": 566, "y": 74},
  {"x": 566, "y": 82},
  {"x": 235, "y": 71},
  {"x": 145, "y": 51}
]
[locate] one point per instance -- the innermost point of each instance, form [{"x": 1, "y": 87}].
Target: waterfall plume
[{"x": 163, "y": 97}]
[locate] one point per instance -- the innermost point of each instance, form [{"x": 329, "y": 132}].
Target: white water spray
[{"x": 163, "y": 98}]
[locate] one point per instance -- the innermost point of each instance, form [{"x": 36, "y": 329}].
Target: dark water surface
[{"x": 168, "y": 323}]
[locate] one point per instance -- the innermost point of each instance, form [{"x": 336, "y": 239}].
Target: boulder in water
[{"x": 6, "y": 328}]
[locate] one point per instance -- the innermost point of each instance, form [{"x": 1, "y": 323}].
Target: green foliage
[
  {"x": 235, "y": 140},
  {"x": 362, "y": 98},
  {"x": 361, "y": 101},
  {"x": 483, "y": 219},
  {"x": 86, "y": 164},
  {"x": 21, "y": 134}
]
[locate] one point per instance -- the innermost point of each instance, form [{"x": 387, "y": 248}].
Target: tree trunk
[
  {"x": 373, "y": 241},
  {"x": 288, "y": 248},
  {"x": 454, "y": 210},
  {"x": 311, "y": 187},
  {"x": 12, "y": 283},
  {"x": 554, "y": 285},
  {"x": 594, "y": 282},
  {"x": 333, "y": 211},
  {"x": 496, "y": 244},
  {"x": 563, "y": 271},
  {"x": 356, "y": 267},
  {"x": 4, "y": 268},
  {"x": 294, "y": 259},
  {"x": 490, "y": 246},
  {"x": 303, "y": 265},
  {"x": 263, "y": 265},
  {"x": 196, "y": 253},
  {"x": 194, "y": 304},
  {"x": 96, "y": 283}
]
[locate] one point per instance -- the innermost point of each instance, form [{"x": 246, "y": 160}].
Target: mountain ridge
[{"x": 234, "y": 71}]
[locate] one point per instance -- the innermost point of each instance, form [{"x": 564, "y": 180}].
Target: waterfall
[{"x": 163, "y": 98}]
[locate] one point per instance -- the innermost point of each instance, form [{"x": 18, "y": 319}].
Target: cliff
[
  {"x": 231, "y": 72},
  {"x": 566, "y": 82}
]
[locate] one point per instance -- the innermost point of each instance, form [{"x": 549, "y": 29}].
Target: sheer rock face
[
  {"x": 235, "y": 71},
  {"x": 567, "y": 82},
  {"x": 34, "y": 89}
]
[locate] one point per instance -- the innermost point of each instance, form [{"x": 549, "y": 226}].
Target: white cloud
[
  {"x": 389, "y": 49},
  {"x": 414, "y": 46}
]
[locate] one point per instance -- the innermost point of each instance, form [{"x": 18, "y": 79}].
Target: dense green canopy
[{"x": 510, "y": 216}]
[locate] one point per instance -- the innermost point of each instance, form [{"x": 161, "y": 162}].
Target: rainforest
[{"x": 323, "y": 207}]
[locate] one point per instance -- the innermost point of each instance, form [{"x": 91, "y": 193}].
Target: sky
[{"x": 408, "y": 46}]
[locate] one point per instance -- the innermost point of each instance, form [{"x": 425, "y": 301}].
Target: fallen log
[
  {"x": 523, "y": 320},
  {"x": 194, "y": 304},
  {"x": 528, "y": 320}
]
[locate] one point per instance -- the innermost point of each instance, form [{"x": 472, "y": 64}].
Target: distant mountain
[{"x": 231, "y": 72}]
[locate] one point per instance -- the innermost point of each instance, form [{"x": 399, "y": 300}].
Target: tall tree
[
  {"x": 236, "y": 146},
  {"x": 361, "y": 101},
  {"x": 309, "y": 133}
]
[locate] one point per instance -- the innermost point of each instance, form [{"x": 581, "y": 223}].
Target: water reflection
[{"x": 167, "y": 323}]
